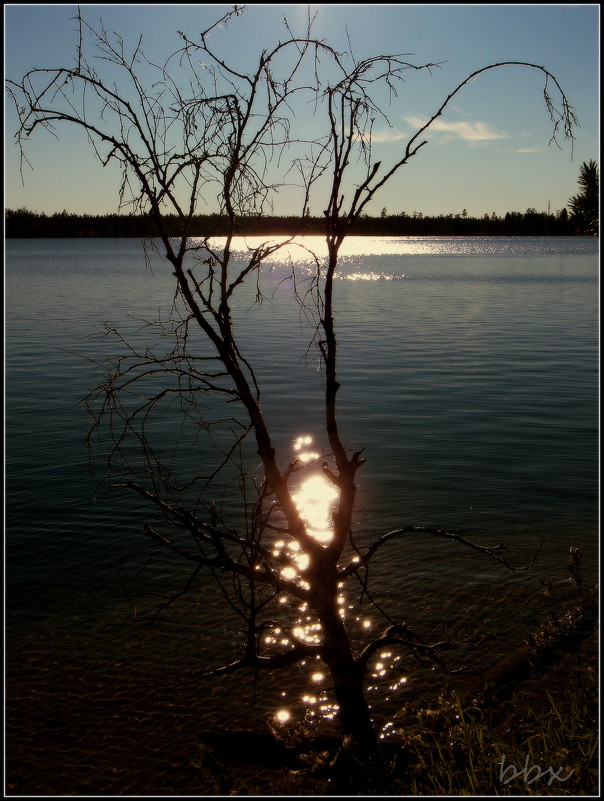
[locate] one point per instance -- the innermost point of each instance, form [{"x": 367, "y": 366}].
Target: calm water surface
[{"x": 469, "y": 375}]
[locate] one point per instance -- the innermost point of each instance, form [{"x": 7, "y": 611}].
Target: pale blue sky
[{"x": 490, "y": 154}]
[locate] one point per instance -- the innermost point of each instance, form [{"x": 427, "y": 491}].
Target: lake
[{"x": 469, "y": 373}]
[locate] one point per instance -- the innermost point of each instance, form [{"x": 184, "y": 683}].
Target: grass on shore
[{"x": 543, "y": 740}]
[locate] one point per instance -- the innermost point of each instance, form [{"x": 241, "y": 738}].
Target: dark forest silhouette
[{"x": 23, "y": 223}]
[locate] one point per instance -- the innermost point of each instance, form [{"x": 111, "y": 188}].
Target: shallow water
[{"x": 469, "y": 375}]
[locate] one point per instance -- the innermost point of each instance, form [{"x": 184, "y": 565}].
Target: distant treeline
[{"x": 23, "y": 223}]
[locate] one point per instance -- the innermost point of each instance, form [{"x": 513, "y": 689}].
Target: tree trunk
[{"x": 347, "y": 676}]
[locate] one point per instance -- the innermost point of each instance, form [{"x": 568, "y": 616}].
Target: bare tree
[{"x": 196, "y": 130}]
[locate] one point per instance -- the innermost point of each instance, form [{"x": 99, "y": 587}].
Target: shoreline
[{"x": 88, "y": 732}]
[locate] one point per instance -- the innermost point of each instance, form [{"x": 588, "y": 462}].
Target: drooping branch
[
  {"x": 223, "y": 561},
  {"x": 275, "y": 662},
  {"x": 494, "y": 551},
  {"x": 562, "y": 116},
  {"x": 401, "y": 634}
]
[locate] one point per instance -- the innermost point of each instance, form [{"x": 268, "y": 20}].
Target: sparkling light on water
[{"x": 315, "y": 500}]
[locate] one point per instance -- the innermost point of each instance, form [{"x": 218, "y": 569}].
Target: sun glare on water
[
  {"x": 315, "y": 496},
  {"x": 315, "y": 500}
]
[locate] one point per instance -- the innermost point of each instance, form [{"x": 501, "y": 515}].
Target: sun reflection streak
[
  {"x": 315, "y": 499},
  {"x": 315, "y": 496},
  {"x": 305, "y": 456},
  {"x": 302, "y": 248}
]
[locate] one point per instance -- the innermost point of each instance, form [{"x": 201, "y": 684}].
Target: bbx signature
[{"x": 531, "y": 774}]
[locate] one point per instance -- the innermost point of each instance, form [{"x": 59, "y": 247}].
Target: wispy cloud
[
  {"x": 473, "y": 132},
  {"x": 388, "y": 135}
]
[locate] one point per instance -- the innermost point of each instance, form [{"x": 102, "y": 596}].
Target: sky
[{"x": 489, "y": 152}]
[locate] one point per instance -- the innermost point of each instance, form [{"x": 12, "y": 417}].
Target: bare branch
[
  {"x": 275, "y": 662},
  {"x": 494, "y": 551}
]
